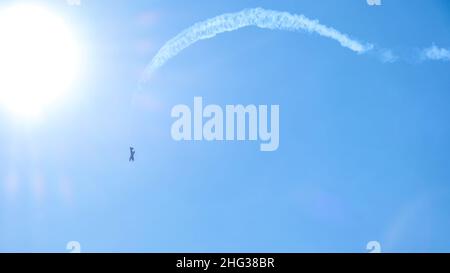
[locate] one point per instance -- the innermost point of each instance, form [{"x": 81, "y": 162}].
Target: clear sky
[{"x": 363, "y": 149}]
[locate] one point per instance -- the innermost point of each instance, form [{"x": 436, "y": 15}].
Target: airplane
[{"x": 132, "y": 151}]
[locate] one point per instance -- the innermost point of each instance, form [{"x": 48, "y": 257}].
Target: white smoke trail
[
  {"x": 262, "y": 18},
  {"x": 436, "y": 54}
]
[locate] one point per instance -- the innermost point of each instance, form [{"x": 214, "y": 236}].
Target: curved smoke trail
[{"x": 262, "y": 18}]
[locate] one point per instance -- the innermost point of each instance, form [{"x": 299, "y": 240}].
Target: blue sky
[{"x": 363, "y": 149}]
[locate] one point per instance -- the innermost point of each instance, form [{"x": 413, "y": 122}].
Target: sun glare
[{"x": 38, "y": 59}]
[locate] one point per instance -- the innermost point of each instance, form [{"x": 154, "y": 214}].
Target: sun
[{"x": 38, "y": 59}]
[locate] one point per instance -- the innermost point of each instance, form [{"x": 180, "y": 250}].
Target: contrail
[
  {"x": 262, "y": 18},
  {"x": 436, "y": 54}
]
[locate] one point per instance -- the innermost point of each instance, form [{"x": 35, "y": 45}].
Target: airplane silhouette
[{"x": 131, "y": 154}]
